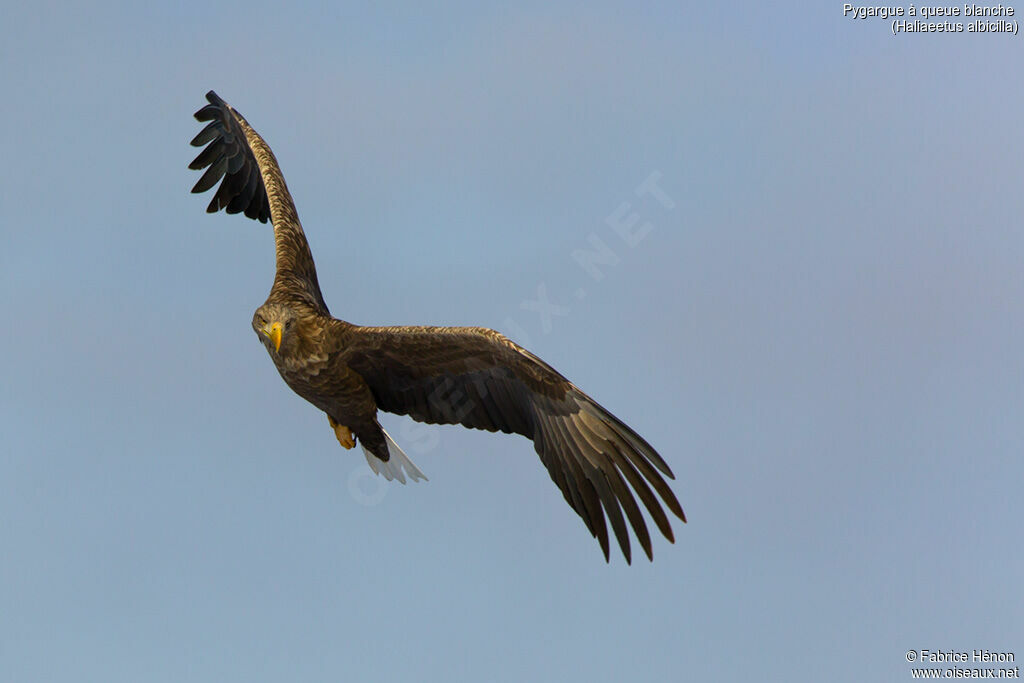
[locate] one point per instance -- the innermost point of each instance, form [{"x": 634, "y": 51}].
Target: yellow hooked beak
[{"x": 274, "y": 333}]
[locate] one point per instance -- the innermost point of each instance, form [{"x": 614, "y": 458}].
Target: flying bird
[{"x": 470, "y": 376}]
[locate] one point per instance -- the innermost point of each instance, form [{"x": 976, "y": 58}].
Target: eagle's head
[{"x": 276, "y": 326}]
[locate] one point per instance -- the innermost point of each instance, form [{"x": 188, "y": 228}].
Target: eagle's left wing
[{"x": 478, "y": 378}]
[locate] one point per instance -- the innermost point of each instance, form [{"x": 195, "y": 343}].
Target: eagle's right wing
[{"x": 253, "y": 184}]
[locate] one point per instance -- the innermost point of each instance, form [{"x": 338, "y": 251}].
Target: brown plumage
[{"x": 442, "y": 375}]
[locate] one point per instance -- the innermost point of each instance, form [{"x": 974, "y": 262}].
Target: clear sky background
[{"x": 822, "y": 335}]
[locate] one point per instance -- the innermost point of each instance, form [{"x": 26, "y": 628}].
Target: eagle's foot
[{"x": 343, "y": 434}]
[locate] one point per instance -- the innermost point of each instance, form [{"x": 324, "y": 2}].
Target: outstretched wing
[
  {"x": 253, "y": 184},
  {"x": 478, "y": 378}
]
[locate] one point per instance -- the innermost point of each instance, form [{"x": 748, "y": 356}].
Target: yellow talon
[{"x": 343, "y": 434}]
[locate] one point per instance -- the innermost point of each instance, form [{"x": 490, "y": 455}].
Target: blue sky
[{"x": 821, "y": 334}]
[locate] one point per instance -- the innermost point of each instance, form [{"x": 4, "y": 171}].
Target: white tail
[{"x": 392, "y": 469}]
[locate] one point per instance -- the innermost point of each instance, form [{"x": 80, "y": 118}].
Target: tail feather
[{"x": 393, "y": 468}]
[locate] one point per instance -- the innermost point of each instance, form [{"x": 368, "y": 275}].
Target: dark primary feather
[
  {"x": 228, "y": 156},
  {"x": 477, "y": 378}
]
